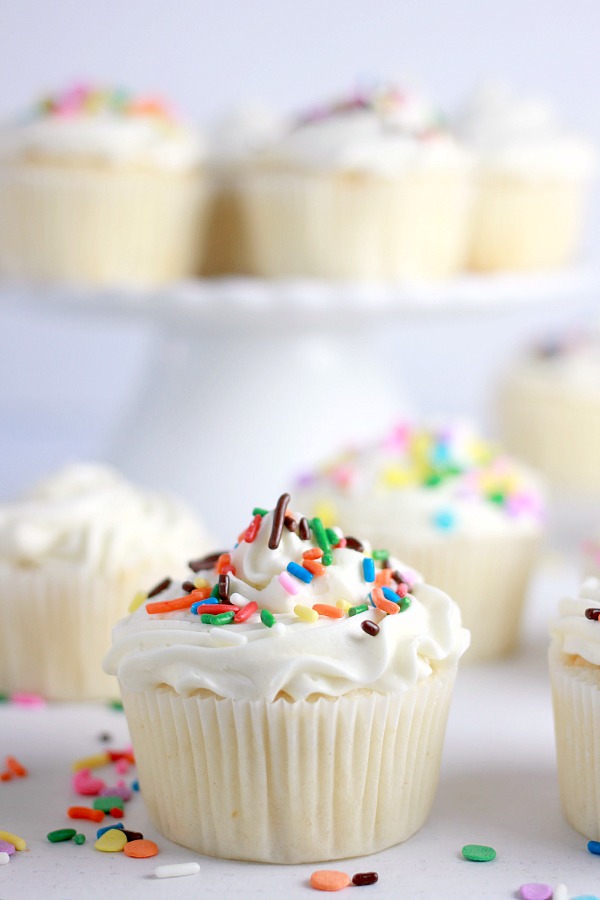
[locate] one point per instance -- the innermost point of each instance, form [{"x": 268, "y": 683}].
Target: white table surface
[{"x": 498, "y": 787}]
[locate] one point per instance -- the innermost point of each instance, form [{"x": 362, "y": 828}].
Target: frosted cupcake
[
  {"x": 102, "y": 187},
  {"x": 73, "y": 553},
  {"x": 575, "y": 676},
  {"x": 369, "y": 188},
  {"x": 549, "y": 410},
  {"x": 532, "y": 180},
  {"x": 233, "y": 143},
  {"x": 293, "y": 708},
  {"x": 455, "y": 507}
]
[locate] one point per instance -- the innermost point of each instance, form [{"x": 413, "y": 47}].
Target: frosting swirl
[
  {"x": 574, "y": 633},
  {"x": 285, "y": 647}
]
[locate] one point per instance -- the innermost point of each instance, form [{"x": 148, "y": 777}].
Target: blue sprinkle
[
  {"x": 585, "y": 897},
  {"x": 594, "y": 847},
  {"x": 300, "y": 572},
  {"x": 389, "y": 594},
  {"x": 369, "y": 569},
  {"x": 101, "y": 831},
  {"x": 440, "y": 455},
  {"x": 135, "y": 785},
  {"x": 445, "y": 519},
  {"x": 194, "y": 607}
]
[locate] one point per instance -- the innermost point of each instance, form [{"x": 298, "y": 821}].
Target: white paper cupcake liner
[
  {"x": 576, "y": 701},
  {"x": 558, "y": 431},
  {"x": 353, "y": 226},
  {"x": 100, "y": 224},
  {"x": 486, "y": 577},
  {"x": 525, "y": 223},
  {"x": 287, "y": 782}
]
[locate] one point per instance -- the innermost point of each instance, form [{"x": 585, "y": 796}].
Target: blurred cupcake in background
[
  {"x": 549, "y": 409},
  {"x": 533, "y": 178},
  {"x": 103, "y": 187},
  {"x": 455, "y": 507},
  {"x": 232, "y": 144},
  {"x": 370, "y": 187},
  {"x": 73, "y": 553}
]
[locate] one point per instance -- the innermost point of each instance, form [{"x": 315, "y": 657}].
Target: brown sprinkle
[
  {"x": 224, "y": 588},
  {"x": 370, "y": 627},
  {"x": 354, "y": 544},
  {"x": 278, "y": 518},
  {"x": 160, "y": 587},
  {"x": 188, "y": 587},
  {"x": 304, "y": 529},
  {"x": 592, "y": 613},
  {"x": 205, "y": 562},
  {"x": 290, "y": 523}
]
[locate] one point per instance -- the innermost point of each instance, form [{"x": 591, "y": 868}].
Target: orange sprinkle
[
  {"x": 15, "y": 767},
  {"x": 328, "y": 880},
  {"x": 6, "y": 776},
  {"x": 387, "y": 606},
  {"x": 313, "y": 566},
  {"x": 166, "y": 606},
  {"x": 84, "y": 812},
  {"x": 313, "y": 553},
  {"x": 223, "y": 560},
  {"x": 383, "y": 577},
  {"x": 324, "y": 609},
  {"x": 140, "y": 849}
]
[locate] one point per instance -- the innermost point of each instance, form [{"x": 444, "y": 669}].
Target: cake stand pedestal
[{"x": 250, "y": 381}]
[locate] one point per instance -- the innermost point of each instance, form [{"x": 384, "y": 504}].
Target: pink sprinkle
[
  {"x": 535, "y": 891},
  {"x": 122, "y": 766},
  {"x": 288, "y": 584},
  {"x": 32, "y": 701},
  {"x": 86, "y": 785},
  {"x": 397, "y": 439}
]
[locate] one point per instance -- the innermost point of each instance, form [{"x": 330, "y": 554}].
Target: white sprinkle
[
  {"x": 278, "y": 628},
  {"x": 239, "y": 599},
  {"x": 175, "y": 870},
  {"x": 4, "y": 858},
  {"x": 560, "y": 892}
]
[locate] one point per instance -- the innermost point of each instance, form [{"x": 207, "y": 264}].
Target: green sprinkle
[
  {"x": 478, "y": 853},
  {"x": 497, "y": 497},
  {"x": 259, "y": 511},
  {"x": 355, "y": 610},
  {"x": 404, "y": 603},
  {"x": 61, "y": 834},
  {"x": 267, "y": 618},
  {"x": 215, "y": 590},
  {"x": 432, "y": 480},
  {"x": 116, "y": 704},
  {"x": 380, "y": 554},
  {"x": 320, "y": 534},
  {"x": 327, "y": 558},
  {"x": 4, "y": 698},
  {"x": 332, "y": 536},
  {"x": 208, "y": 618},
  {"x": 79, "y": 839},
  {"x": 223, "y": 618},
  {"x": 107, "y": 803}
]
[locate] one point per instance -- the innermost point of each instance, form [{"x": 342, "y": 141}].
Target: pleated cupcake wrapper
[
  {"x": 56, "y": 625},
  {"x": 100, "y": 224},
  {"x": 487, "y": 577},
  {"x": 576, "y": 700},
  {"x": 557, "y": 431},
  {"x": 289, "y": 782},
  {"x": 356, "y": 226},
  {"x": 525, "y": 223}
]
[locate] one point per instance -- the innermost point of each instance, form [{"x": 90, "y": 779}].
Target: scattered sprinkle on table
[
  {"x": 61, "y": 834},
  {"x": 585, "y": 897},
  {"x": 112, "y": 841},
  {"x": 140, "y": 849},
  {"x": 478, "y": 853},
  {"x": 18, "y": 842},
  {"x": 594, "y": 847},
  {"x": 329, "y": 880},
  {"x": 535, "y": 891},
  {"x": 560, "y": 892},
  {"x": 363, "y": 878},
  {"x": 176, "y": 870},
  {"x": 4, "y": 858}
]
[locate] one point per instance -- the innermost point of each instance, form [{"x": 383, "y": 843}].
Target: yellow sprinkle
[
  {"x": 137, "y": 601},
  {"x": 201, "y": 583},
  {"x": 343, "y": 604},
  {"x": 326, "y": 512},
  {"x": 91, "y": 762},
  {"x": 397, "y": 476},
  {"x": 306, "y": 613},
  {"x": 17, "y": 842}
]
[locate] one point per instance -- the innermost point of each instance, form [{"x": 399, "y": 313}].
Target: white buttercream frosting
[
  {"x": 91, "y": 126},
  {"x": 88, "y": 515},
  {"x": 573, "y": 634},
  {"x": 292, "y": 658},
  {"x": 383, "y": 134},
  {"x": 248, "y": 130},
  {"x": 522, "y": 135},
  {"x": 429, "y": 483}
]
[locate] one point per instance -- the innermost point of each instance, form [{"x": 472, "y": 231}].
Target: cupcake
[
  {"x": 532, "y": 181},
  {"x": 233, "y": 143},
  {"x": 291, "y": 709},
  {"x": 574, "y": 658},
  {"x": 73, "y": 553},
  {"x": 100, "y": 187},
  {"x": 374, "y": 187},
  {"x": 549, "y": 410},
  {"x": 454, "y": 507}
]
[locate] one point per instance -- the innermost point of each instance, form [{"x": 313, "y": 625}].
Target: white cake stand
[{"x": 249, "y": 381}]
